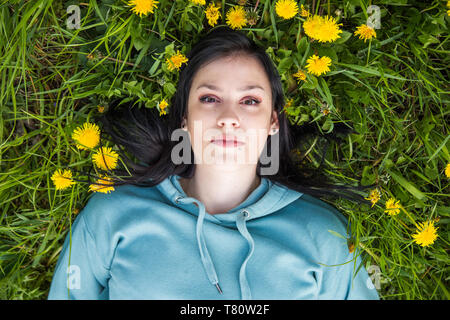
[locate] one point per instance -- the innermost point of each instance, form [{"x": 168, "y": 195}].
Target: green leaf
[
  {"x": 328, "y": 125},
  {"x": 170, "y": 49},
  {"x": 169, "y": 88},
  {"x": 345, "y": 35},
  {"x": 274, "y": 25},
  {"x": 442, "y": 146},
  {"x": 139, "y": 43},
  {"x": 337, "y": 234},
  {"x": 368, "y": 176},
  {"x": 406, "y": 184},
  {"x": 285, "y": 64},
  {"x": 304, "y": 117},
  {"x": 283, "y": 53},
  {"x": 370, "y": 71},
  {"x": 155, "y": 65},
  {"x": 325, "y": 92},
  {"x": 417, "y": 173},
  {"x": 388, "y": 163},
  {"x": 427, "y": 39},
  {"x": 441, "y": 285},
  {"x": 302, "y": 45},
  {"x": 311, "y": 83},
  {"x": 329, "y": 52}
]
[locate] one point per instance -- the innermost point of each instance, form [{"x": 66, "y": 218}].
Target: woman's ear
[
  {"x": 183, "y": 124},
  {"x": 274, "y": 126}
]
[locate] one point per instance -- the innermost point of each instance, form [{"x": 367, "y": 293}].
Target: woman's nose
[{"x": 228, "y": 119}]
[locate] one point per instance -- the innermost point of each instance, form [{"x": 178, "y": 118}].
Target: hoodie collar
[{"x": 267, "y": 198}]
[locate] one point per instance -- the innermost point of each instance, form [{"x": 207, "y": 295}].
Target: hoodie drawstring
[
  {"x": 208, "y": 265},
  {"x": 240, "y": 223}
]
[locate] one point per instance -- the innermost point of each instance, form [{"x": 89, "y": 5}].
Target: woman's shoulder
[
  {"x": 119, "y": 204},
  {"x": 316, "y": 224},
  {"x": 318, "y": 215}
]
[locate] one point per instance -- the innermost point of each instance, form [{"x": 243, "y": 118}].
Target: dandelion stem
[
  {"x": 373, "y": 255},
  {"x": 409, "y": 216},
  {"x": 256, "y": 6},
  {"x": 368, "y": 53},
  {"x": 145, "y": 78}
]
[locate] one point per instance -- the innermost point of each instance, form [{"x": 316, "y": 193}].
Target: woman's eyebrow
[{"x": 213, "y": 87}]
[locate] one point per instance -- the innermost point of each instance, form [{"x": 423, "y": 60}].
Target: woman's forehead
[
  {"x": 241, "y": 72},
  {"x": 230, "y": 60}
]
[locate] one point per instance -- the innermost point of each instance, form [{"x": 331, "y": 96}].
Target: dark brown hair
[{"x": 145, "y": 135}]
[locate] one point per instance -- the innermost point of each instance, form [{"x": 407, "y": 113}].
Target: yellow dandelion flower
[
  {"x": 329, "y": 30},
  {"x": 62, "y": 179},
  {"x": 176, "y": 61},
  {"x": 300, "y": 75},
  {"x": 426, "y": 234},
  {"x": 392, "y": 207},
  {"x": 201, "y": 2},
  {"x": 162, "y": 107},
  {"x": 143, "y": 7},
  {"x": 100, "y": 109},
  {"x": 304, "y": 13},
  {"x": 102, "y": 185},
  {"x": 87, "y": 136},
  {"x": 325, "y": 111},
  {"x": 236, "y": 17},
  {"x": 365, "y": 32},
  {"x": 317, "y": 66},
  {"x": 212, "y": 14},
  {"x": 447, "y": 170},
  {"x": 286, "y": 9},
  {"x": 312, "y": 25},
  {"x": 105, "y": 158},
  {"x": 322, "y": 29},
  {"x": 288, "y": 104},
  {"x": 374, "y": 196}
]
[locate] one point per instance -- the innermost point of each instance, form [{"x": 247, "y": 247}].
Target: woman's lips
[{"x": 228, "y": 143}]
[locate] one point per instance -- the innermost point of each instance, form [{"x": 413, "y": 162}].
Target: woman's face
[{"x": 230, "y": 99}]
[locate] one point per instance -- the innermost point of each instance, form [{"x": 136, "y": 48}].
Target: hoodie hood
[{"x": 268, "y": 198}]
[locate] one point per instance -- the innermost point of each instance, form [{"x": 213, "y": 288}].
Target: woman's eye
[
  {"x": 206, "y": 100},
  {"x": 256, "y": 101},
  {"x": 203, "y": 99}
]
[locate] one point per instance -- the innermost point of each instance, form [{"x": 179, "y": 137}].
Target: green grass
[{"x": 393, "y": 90}]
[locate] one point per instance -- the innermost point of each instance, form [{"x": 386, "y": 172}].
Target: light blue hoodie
[{"x": 158, "y": 243}]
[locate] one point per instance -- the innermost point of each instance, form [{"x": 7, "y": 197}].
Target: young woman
[{"x": 212, "y": 216}]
